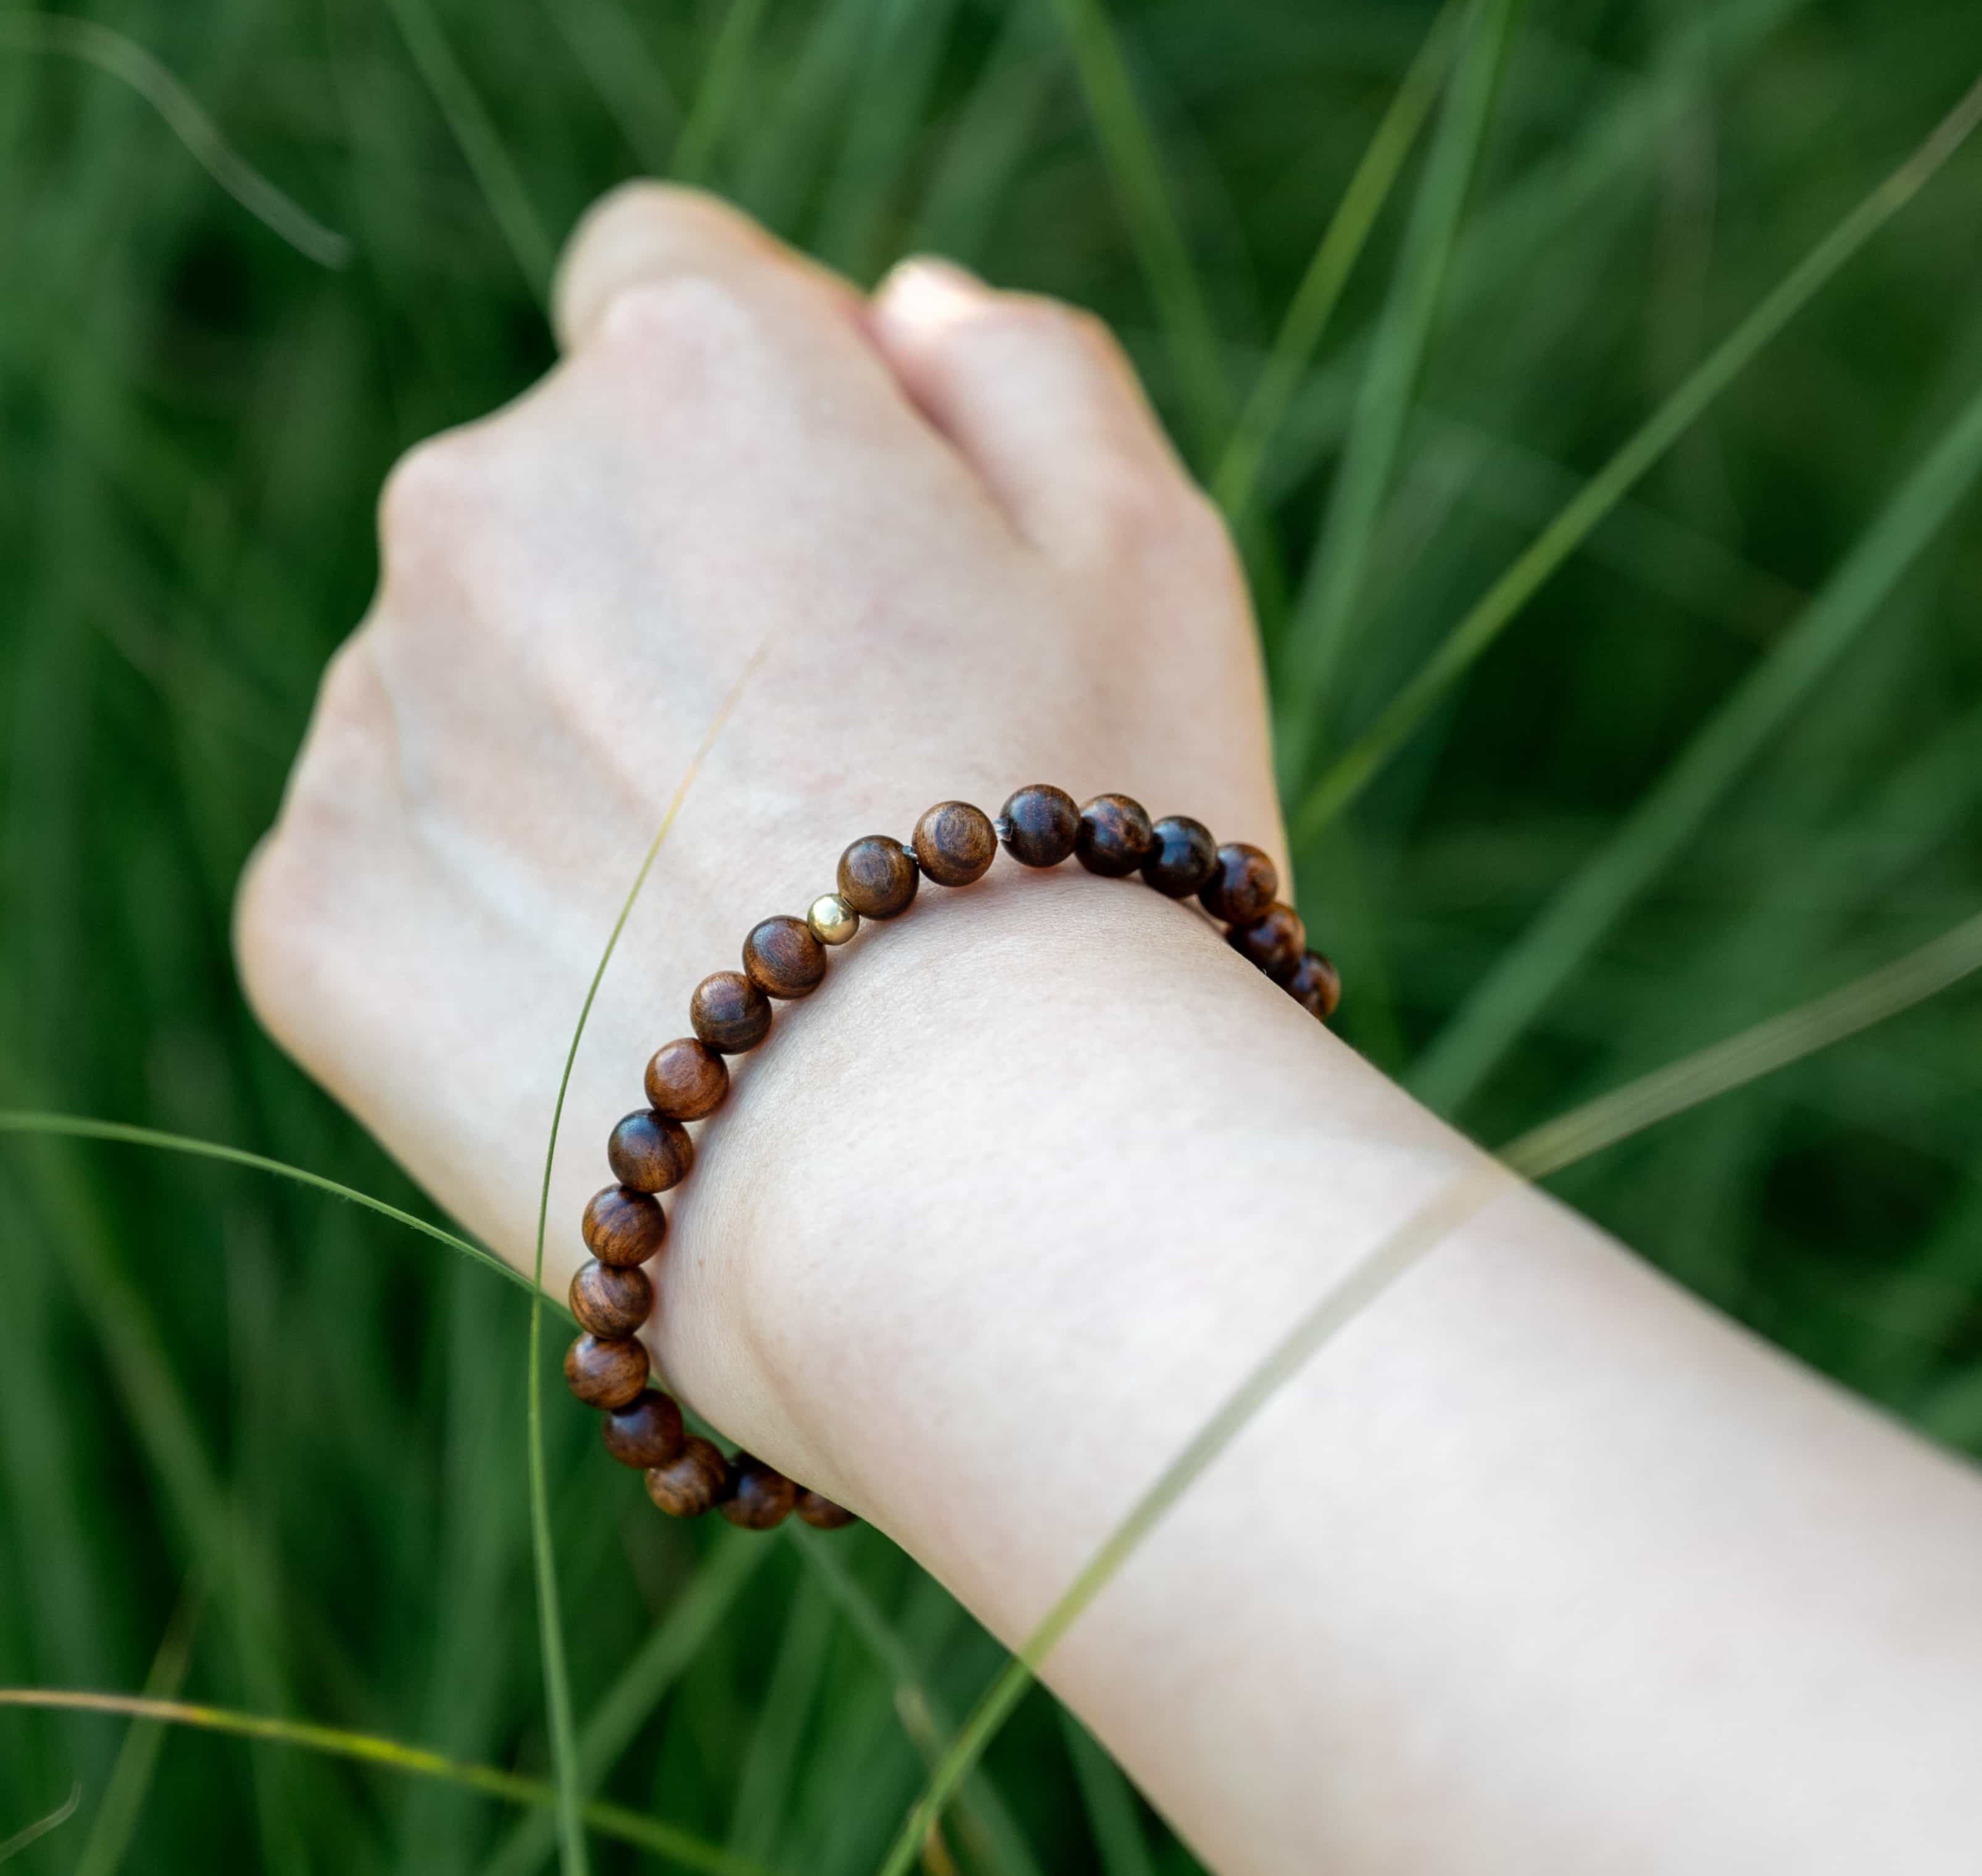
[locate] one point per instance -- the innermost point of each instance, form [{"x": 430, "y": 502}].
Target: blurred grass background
[{"x": 266, "y": 1449}]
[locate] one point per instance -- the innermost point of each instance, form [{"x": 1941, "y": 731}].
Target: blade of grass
[
  {"x": 116, "y": 1820},
  {"x": 557, "y": 1684},
  {"x": 81, "y": 1127},
  {"x": 723, "y": 76},
  {"x": 41, "y": 1827},
  {"x": 1318, "y": 636},
  {"x": 1111, "y": 1805},
  {"x": 1575, "y": 921},
  {"x": 764, "y": 1778},
  {"x": 614, "y": 1820},
  {"x": 1135, "y": 163},
  {"x": 630, "y": 1701},
  {"x": 1236, "y": 480},
  {"x": 479, "y": 142},
  {"x": 988, "y": 1826},
  {"x": 1490, "y": 615},
  {"x": 125, "y": 60},
  {"x": 1547, "y": 1149}
]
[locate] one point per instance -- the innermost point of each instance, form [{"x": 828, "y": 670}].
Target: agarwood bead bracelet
[{"x": 784, "y": 958}]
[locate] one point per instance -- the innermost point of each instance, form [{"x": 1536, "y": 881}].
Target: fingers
[
  {"x": 648, "y": 233},
  {"x": 1039, "y": 397}
]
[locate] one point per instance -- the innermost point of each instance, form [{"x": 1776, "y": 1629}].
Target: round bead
[
  {"x": 782, "y": 957},
  {"x": 611, "y": 1300},
  {"x": 815, "y": 1509},
  {"x": 649, "y": 1432},
  {"x": 1315, "y": 985},
  {"x": 1114, "y": 836},
  {"x": 730, "y": 1012},
  {"x": 687, "y": 1079},
  {"x": 606, "y": 1372},
  {"x": 833, "y": 921},
  {"x": 955, "y": 843},
  {"x": 623, "y": 1228},
  {"x": 1041, "y": 825},
  {"x": 1183, "y": 856},
  {"x": 690, "y": 1482},
  {"x": 877, "y": 878},
  {"x": 1272, "y": 942},
  {"x": 757, "y": 1496},
  {"x": 1245, "y": 883},
  {"x": 649, "y": 1152}
]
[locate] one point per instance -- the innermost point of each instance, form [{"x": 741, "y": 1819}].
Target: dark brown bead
[
  {"x": 877, "y": 878},
  {"x": 686, "y": 1080},
  {"x": 815, "y": 1509},
  {"x": 647, "y": 1433},
  {"x": 623, "y": 1228},
  {"x": 1272, "y": 942},
  {"x": 782, "y": 958},
  {"x": 649, "y": 1152},
  {"x": 1315, "y": 985},
  {"x": 610, "y": 1299},
  {"x": 1183, "y": 856},
  {"x": 955, "y": 843},
  {"x": 730, "y": 1012},
  {"x": 1245, "y": 883},
  {"x": 1114, "y": 836},
  {"x": 690, "y": 1482},
  {"x": 757, "y": 1496},
  {"x": 604, "y": 1373},
  {"x": 1041, "y": 825}
]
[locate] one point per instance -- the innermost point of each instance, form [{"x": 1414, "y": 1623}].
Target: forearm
[{"x": 1538, "y": 1558}]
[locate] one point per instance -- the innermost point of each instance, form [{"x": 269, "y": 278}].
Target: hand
[{"x": 946, "y": 518}]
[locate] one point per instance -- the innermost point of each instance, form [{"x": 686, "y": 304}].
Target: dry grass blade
[
  {"x": 1574, "y": 1136},
  {"x": 557, "y": 1684},
  {"x": 614, "y": 1820},
  {"x": 14, "y": 1845},
  {"x": 126, "y": 60},
  {"x": 1470, "y": 638}
]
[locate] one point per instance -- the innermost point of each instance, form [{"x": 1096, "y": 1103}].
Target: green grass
[{"x": 1722, "y": 758}]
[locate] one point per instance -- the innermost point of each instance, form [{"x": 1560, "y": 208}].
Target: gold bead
[{"x": 833, "y": 921}]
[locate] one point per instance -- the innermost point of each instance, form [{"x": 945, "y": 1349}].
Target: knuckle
[
  {"x": 688, "y": 318},
  {"x": 429, "y": 493}
]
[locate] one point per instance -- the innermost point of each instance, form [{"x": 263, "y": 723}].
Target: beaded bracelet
[{"x": 954, "y": 844}]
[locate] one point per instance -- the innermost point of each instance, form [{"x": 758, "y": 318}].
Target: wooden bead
[
  {"x": 815, "y": 1509},
  {"x": 649, "y": 1152},
  {"x": 687, "y": 1079},
  {"x": 690, "y": 1482},
  {"x": 623, "y": 1228},
  {"x": 609, "y": 1299},
  {"x": 877, "y": 878},
  {"x": 832, "y": 920},
  {"x": 954, "y": 843},
  {"x": 1183, "y": 856},
  {"x": 730, "y": 1012},
  {"x": 1114, "y": 836},
  {"x": 647, "y": 1433},
  {"x": 1273, "y": 942},
  {"x": 1041, "y": 825},
  {"x": 1245, "y": 883},
  {"x": 757, "y": 1496},
  {"x": 1315, "y": 985},
  {"x": 782, "y": 957},
  {"x": 606, "y": 1372}
]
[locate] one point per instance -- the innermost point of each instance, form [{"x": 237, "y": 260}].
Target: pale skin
[{"x": 1539, "y": 1566}]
